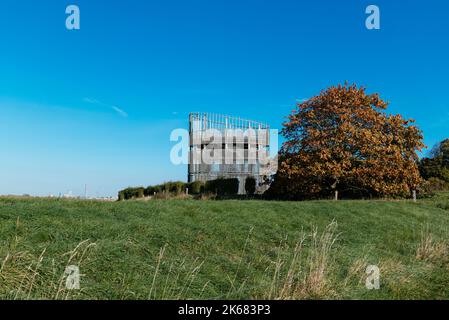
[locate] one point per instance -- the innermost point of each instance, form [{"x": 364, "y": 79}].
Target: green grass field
[{"x": 187, "y": 249}]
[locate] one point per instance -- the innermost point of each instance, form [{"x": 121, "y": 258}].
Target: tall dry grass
[
  {"x": 430, "y": 249},
  {"x": 302, "y": 272},
  {"x": 24, "y": 275},
  {"x": 174, "y": 283}
]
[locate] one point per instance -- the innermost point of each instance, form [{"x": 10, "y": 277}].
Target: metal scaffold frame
[{"x": 200, "y": 123}]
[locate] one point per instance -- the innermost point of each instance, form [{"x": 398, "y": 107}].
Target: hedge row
[
  {"x": 221, "y": 187},
  {"x": 131, "y": 193},
  {"x": 250, "y": 186}
]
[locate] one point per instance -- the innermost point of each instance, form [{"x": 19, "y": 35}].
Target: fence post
[
  {"x": 336, "y": 195},
  {"x": 414, "y": 195}
]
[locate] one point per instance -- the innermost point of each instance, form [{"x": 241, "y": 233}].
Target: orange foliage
[{"x": 343, "y": 140}]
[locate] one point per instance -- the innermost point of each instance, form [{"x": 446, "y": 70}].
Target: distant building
[
  {"x": 228, "y": 147},
  {"x": 69, "y": 195}
]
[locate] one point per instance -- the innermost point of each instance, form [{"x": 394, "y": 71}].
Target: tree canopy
[
  {"x": 437, "y": 164},
  {"x": 343, "y": 140}
]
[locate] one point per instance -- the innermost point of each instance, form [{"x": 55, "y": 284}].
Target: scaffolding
[{"x": 235, "y": 143}]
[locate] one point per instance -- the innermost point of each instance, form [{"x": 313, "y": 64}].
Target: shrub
[
  {"x": 131, "y": 193},
  {"x": 250, "y": 186},
  {"x": 139, "y": 192},
  {"x": 149, "y": 191},
  {"x": 170, "y": 187},
  {"x": 163, "y": 187},
  {"x": 176, "y": 187},
  {"x": 436, "y": 165},
  {"x": 433, "y": 185},
  {"x": 127, "y": 194},
  {"x": 223, "y": 187},
  {"x": 196, "y": 187}
]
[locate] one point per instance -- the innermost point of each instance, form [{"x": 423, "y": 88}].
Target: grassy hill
[{"x": 224, "y": 249}]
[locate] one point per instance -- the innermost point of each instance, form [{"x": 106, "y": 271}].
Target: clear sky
[{"x": 96, "y": 106}]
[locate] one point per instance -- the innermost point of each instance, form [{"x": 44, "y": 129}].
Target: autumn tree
[{"x": 344, "y": 141}]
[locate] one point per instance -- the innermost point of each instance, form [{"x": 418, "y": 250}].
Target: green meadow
[{"x": 191, "y": 249}]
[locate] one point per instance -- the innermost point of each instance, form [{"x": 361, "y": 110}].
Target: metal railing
[{"x": 201, "y": 121}]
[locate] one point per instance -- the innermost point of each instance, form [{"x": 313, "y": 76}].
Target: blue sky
[{"x": 96, "y": 106}]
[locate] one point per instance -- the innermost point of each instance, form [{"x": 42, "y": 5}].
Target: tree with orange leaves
[{"x": 343, "y": 142}]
